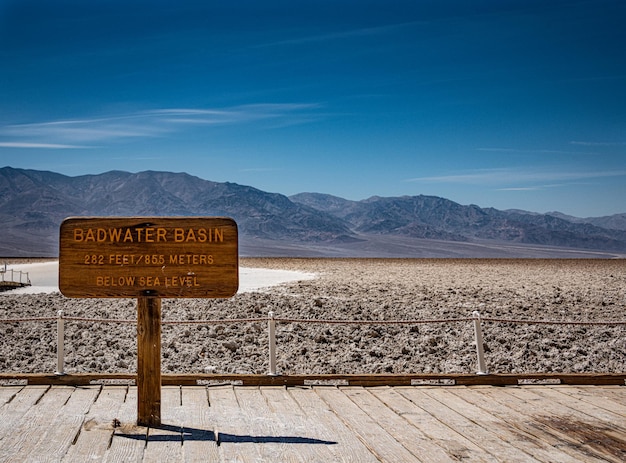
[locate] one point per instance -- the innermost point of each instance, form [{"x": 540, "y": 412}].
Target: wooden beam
[{"x": 459, "y": 379}]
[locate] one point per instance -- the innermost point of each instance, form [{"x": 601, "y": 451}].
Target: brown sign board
[{"x": 167, "y": 257}]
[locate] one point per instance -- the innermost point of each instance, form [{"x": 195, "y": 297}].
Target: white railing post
[
  {"x": 478, "y": 337},
  {"x": 60, "y": 347},
  {"x": 272, "y": 343}
]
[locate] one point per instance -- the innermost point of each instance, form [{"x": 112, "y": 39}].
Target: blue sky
[{"x": 505, "y": 104}]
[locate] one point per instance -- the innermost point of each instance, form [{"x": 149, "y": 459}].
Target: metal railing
[{"x": 23, "y": 280}]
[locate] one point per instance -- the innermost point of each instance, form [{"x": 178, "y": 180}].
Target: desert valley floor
[{"x": 508, "y": 292}]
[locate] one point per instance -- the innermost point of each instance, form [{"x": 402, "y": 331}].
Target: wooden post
[{"x": 149, "y": 361}]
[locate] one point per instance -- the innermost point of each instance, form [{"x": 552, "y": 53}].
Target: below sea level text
[{"x": 187, "y": 281}]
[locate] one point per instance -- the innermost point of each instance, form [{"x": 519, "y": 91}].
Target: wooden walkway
[{"x": 316, "y": 424}]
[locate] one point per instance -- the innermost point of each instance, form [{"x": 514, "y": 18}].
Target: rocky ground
[{"x": 352, "y": 289}]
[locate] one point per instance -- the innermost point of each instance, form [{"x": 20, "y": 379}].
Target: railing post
[
  {"x": 60, "y": 343},
  {"x": 480, "y": 351},
  {"x": 271, "y": 324}
]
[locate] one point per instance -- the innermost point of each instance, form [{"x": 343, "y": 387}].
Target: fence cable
[{"x": 226, "y": 321}]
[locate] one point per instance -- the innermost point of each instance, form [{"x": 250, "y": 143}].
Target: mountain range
[{"x": 33, "y": 204}]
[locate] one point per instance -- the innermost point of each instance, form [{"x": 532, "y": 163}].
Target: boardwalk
[{"x": 316, "y": 424}]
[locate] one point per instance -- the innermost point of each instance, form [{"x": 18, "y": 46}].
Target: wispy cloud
[
  {"x": 598, "y": 143},
  {"x": 91, "y": 132},
  {"x": 531, "y": 151},
  {"x": 260, "y": 169},
  {"x": 596, "y": 78},
  {"x": 54, "y": 146},
  {"x": 340, "y": 35},
  {"x": 514, "y": 177}
]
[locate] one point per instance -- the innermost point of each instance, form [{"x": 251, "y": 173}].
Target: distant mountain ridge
[
  {"x": 33, "y": 204},
  {"x": 431, "y": 216},
  {"x": 612, "y": 222}
]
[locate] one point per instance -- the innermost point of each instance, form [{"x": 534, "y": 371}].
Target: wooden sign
[
  {"x": 148, "y": 258},
  {"x": 166, "y": 257}
]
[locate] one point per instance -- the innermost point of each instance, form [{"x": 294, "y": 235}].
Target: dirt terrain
[{"x": 353, "y": 290}]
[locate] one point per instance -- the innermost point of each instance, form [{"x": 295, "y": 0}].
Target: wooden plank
[
  {"x": 601, "y": 431},
  {"x": 149, "y": 361},
  {"x": 234, "y": 431},
  {"x": 27, "y": 431},
  {"x": 611, "y": 398},
  {"x": 448, "y": 409},
  {"x": 455, "y": 444},
  {"x": 329, "y": 427},
  {"x": 8, "y": 393},
  {"x": 98, "y": 428},
  {"x": 531, "y": 416},
  {"x": 616, "y": 394},
  {"x": 198, "y": 425},
  {"x": 509, "y": 426},
  {"x": 402, "y": 430},
  {"x": 307, "y": 438},
  {"x": 272, "y": 435},
  {"x": 61, "y": 433},
  {"x": 165, "y": 441},
  {"x": 557, "y": 403},
  {"x": 595, "y": 405},
  {"x": 129, "y": 440},
  {"x": 587, "y": 413},
  {"x": 384, "y": 446},
  {"x": 485, "y": 423},
  {"x": 11, "y": 413}
]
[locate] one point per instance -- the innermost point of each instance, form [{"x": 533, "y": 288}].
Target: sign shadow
[{"x": 196, "y": 434}]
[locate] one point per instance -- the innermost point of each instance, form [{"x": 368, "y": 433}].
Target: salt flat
[
  {"x": 543, "y": 305},
  {"x": 44, "y": 277}
]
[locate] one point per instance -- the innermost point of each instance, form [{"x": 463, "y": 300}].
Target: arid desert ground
[{"x": 585, "y": 290}]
